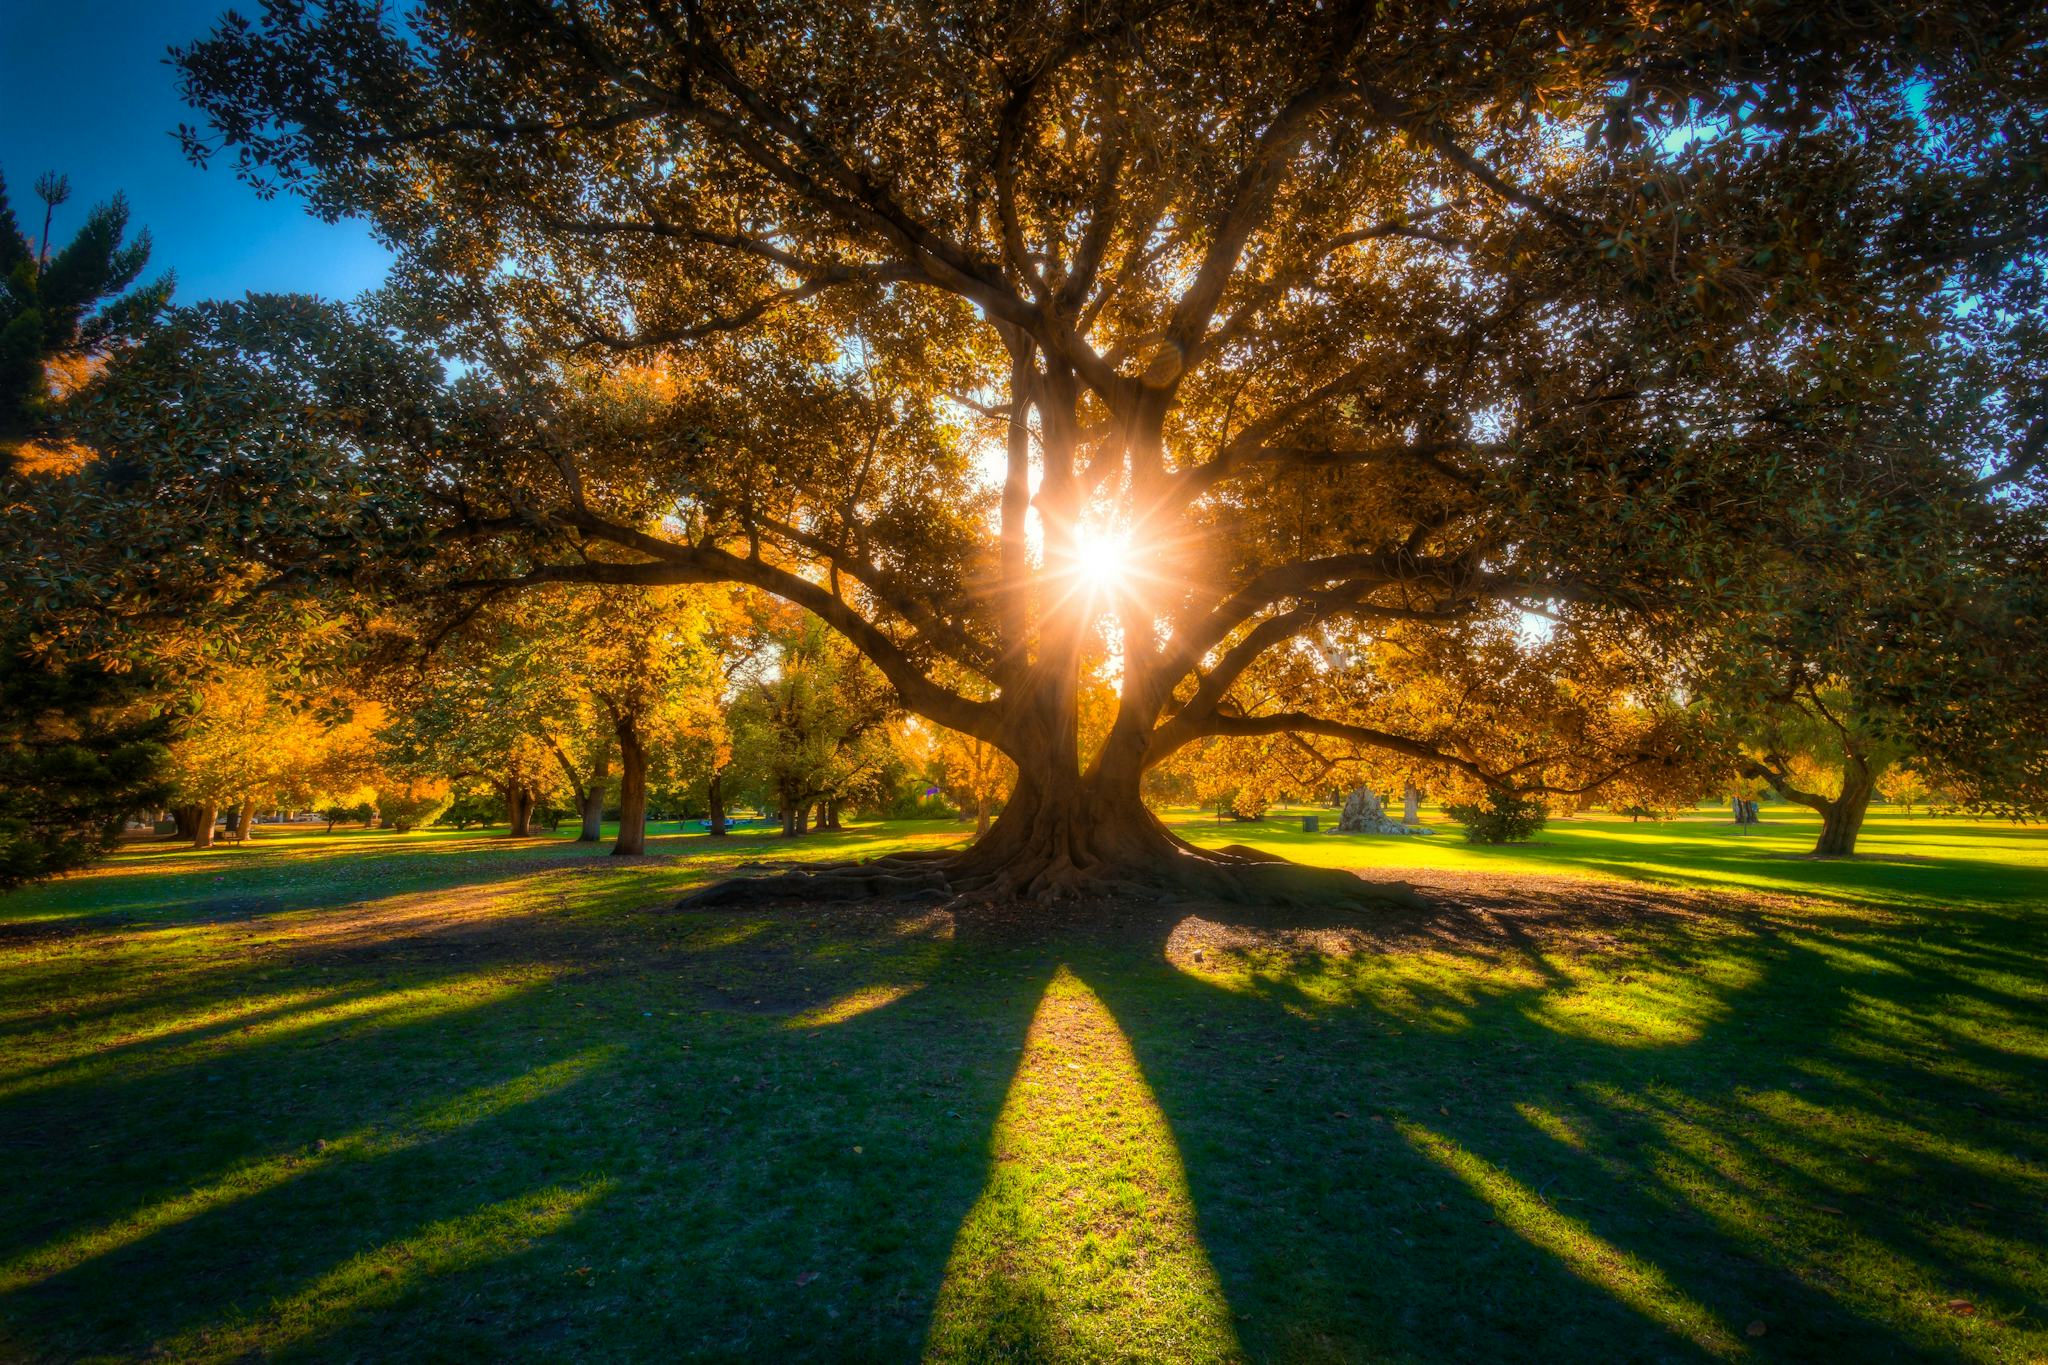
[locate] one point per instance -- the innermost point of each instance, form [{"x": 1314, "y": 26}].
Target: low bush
[{"x": 1502, "y": 818}]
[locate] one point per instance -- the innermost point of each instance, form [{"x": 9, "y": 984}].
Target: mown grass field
[{"x": 1631, "y": 1092}]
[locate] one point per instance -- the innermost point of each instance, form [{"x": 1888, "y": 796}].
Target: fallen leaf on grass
[
  {"x": 1828, "y": 1208},
  {"x": 1962, "y": 1308}
]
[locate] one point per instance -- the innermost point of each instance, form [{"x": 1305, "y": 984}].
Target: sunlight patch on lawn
[
  {"x": 1629, "y": 1278},
  {"x": 1619, "y": 1005},
  {"x": 252, "y": 1178},
  {"x": 1083, "y": 1244},
  {"x": 379, "y": 1277},
  {"x": 849, "y": 1006}
]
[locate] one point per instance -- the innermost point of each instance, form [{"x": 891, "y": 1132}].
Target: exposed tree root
[{"x": 1235, "y": 875}]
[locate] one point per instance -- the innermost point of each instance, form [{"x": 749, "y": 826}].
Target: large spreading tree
[{"x": 1195, "y": 342}]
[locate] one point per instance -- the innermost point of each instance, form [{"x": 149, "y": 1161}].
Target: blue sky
[{"x": 85, "y": 91}]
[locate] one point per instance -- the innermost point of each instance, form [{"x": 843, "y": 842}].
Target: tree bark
[
  {"x": 590, "y": 802},
  {"x": 518, "y": 811},
  {"x": 828, "y": 816},
  {"x": 202, "y": 825},
  {"x": 632, "y": 789},
  {"x": 242, "y": 821},
  {"x": 980, "y": 814},
  {"x": 716, "y": 800},
  {"x": 1841, "y": 820},
  {"x": 186, "y": 818},
  {"x": 1411, "y": 804}
]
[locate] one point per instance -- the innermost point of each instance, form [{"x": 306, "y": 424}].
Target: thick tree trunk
[
  {"x": 242, "y": 814},
  {"x": 632, "y": 790},
  {"x": 828, "y": 817},
  {"x": 716, "y": 800},
  {"x": 980, "y": 814},
  {"x": 518, "y": 811},
  {"x": 1841, "y": 820},
  {"x": 186, "y": 819},
  {"x": 1067, "y": 835},
  {"x": 1411, "y": 804},
  {"x": 202, "y": 825},
  {"x": 788, "y": 813}
]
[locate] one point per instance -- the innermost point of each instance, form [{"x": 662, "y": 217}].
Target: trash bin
[{"x": 1311, "y": 823}]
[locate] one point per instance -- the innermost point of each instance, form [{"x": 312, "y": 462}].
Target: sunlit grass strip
[
  {"x": 255, "y": 1177},
  {"x": 1629, "y": 1278},
  {"x": 1083, "y": 1244},
  {"x": 73, "y": 1045},
  {"x": 384, "y": 1009},
  {"x": 377, "y": 1278},
  {"x": 849, "y": 1006}
]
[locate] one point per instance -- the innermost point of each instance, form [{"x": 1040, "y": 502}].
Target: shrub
[
  {"x": 1502, "y": 818},
  {"x": 405, "y": 806}
]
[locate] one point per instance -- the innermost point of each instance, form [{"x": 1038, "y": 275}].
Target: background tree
[
  {"x": 811, "y": 726},
  {"x": 477, "y": 708},
  {"x": 977, "y": 776},
  {"x": 59, "y": 310},
  {"x": 1285, "y": 321},
  {"x": 81, "y": 738},
  {"x": 81, "y": 749},
  {"x": 250, "y": 740}
]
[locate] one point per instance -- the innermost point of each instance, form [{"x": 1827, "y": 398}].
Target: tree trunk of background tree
[
  {"x": 1841, "y": 820},
  {"x": 828, "y": 816},
  {"x": 202, "y": 825},
  {"x": 592, "y": 803},
  {"x": 1411, "y": 804},
  {"x": 632, "y": 789},
  {"x": 980, "y": 814},
  {"x": 242, "y": 814},
  {"x": 186, "y": 819},
  {"x": 518, "y": 811},
  {"x": 715, "y": 798}
]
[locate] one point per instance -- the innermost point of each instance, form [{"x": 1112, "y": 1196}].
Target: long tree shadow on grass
[
  {"x": 1555, "y": 1140},
  {"x": 719, "y": 1137},
  {"x": 855, "y": 1133}
]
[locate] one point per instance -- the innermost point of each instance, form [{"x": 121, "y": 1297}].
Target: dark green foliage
[
  {"x": 64, "y": 305},
  {"x": 1502, "y": 818},
  {"x": 78, "y": 753},
  {"x": 473, "y": 806}
]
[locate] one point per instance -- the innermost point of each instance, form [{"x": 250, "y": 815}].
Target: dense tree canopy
[{"x": 1208, "y": 341}]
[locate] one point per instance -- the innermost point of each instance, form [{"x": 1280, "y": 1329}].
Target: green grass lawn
[{"x": 452, "y": 1096}]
